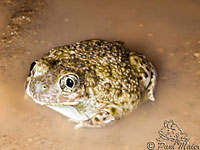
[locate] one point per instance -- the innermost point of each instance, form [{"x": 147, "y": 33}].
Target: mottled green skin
[{"x": 113, "y": 80}]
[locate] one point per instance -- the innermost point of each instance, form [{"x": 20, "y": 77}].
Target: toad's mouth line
[{"x": 55, "y": 104}]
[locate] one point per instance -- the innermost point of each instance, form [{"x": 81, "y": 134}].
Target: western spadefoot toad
[{"x": 93, "y": 82}]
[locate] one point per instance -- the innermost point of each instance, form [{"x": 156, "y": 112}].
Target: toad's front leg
[{"x": 104, "y": 116}]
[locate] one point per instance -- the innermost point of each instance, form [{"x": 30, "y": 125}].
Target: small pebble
[
  {"x": 140, "y": 25},
  {"x": 160, "y": 50},
  {"x": 36, "y": 41},
  {"x": 30, "y": 140},
  {"x": 187, "y": 43},
  {"x": 164, "y": 78},
  {"x": 2, "y": 68},
  {"x": 171, "y": 54},
  {"x": 197, "y": 55},
  {"x": 42, "y": 41},
  {"x": 149, "y": 34},
  {"x": 66, "y": 19}
]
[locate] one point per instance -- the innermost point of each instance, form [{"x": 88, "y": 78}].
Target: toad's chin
[{"x": 70, "y": 112}]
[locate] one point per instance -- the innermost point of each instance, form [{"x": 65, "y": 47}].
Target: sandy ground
[{"x": 166, "y": 31}]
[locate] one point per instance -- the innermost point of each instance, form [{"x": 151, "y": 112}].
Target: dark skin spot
[
  {"x": 147, "y": 68},
  {"x": 96, "y": 119},
  {"x": 145, "y": 75},
  {"x": 54, "y": 62},
  {"x": 142, "y": 70},
  {"x": 113, "y": 110},
  {"x": 32, "y": 65},
  {"x": 144, "y": 62},
  {"x": 136, "y": 60},
  {"x": 152, "y": 74},
  {"x": 139, "y": 78}
]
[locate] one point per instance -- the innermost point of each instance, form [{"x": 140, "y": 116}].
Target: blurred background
[{"x": 166, "y": 31}]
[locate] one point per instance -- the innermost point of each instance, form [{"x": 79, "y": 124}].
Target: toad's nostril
[
  {"x": 41, "y": 87},
  {"x": 45, "y": 87}
]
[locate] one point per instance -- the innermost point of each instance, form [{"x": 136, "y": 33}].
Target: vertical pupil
[{"x": 70, "y": 83}]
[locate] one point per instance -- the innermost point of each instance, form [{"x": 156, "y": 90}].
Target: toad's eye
[{"x": 68, "y": 82}]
